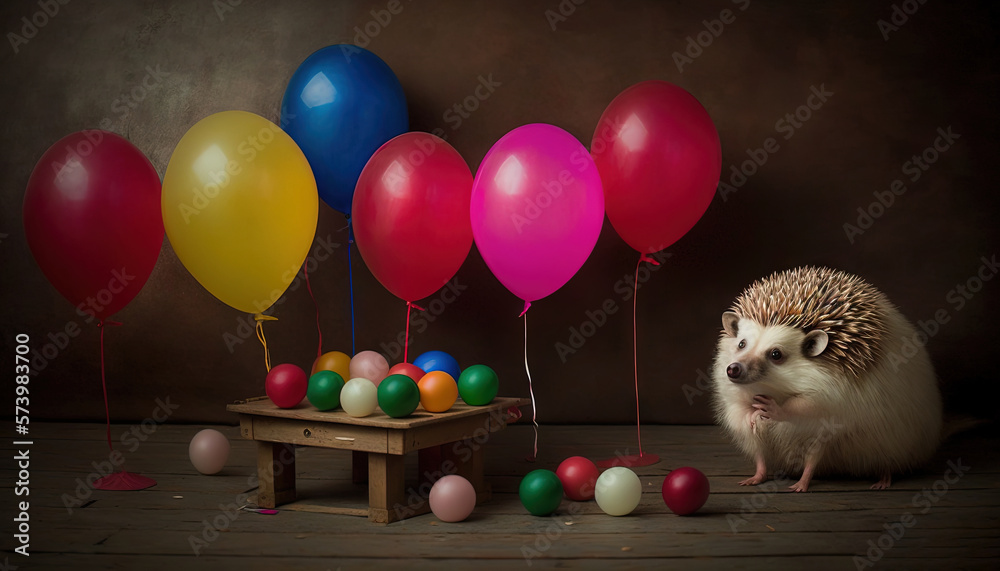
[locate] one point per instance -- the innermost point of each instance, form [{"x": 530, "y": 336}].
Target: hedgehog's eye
[
  {"x": 743, "y": 344},
  {"x": 776, "y": 354}
]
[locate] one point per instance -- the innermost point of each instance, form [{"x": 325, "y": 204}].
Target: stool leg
[
  {"x": 275, "y": 474},
  {"x": 429, "y": 467},
  {"x": 359, "y": 467},
  {"x": 386, "y": 482},
  {"x": 468, "y": 459}
]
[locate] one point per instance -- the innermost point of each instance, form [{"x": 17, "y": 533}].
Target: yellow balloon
[{"x": 240, "y": 208}]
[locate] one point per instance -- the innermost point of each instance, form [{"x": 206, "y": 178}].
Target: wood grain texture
[{"x": 954, "y": 525}]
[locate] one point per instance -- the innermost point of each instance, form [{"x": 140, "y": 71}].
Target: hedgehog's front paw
[
  {"x": 768, "y": 408},
  {"x": 754, "y": 418}
]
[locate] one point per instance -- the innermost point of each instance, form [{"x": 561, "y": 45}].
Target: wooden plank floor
[{"x": 953, "y": 516}]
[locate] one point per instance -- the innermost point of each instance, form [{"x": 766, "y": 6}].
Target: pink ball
[
  {"x": 685, "y": 490},
  {"x": 369, "y": 365},
  {"x": 209, "y": 451},
  {"x": 286, "y": 385},
  {"x": 579, "y": 478},
  {"x": 452, "y": 498}
]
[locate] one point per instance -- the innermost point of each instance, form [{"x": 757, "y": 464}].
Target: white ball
[
  {"x": 359, "y": 397},
  {"x": 618, "y": 491},
  {"x": 209, "y": 451}
]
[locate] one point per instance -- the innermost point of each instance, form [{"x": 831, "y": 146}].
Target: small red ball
[
  {"x": 685, "y": 490},
  {"x": 286, "y": 385},
  {"x": 579, "y": 478},
  {"x": 408, "y": 369}
]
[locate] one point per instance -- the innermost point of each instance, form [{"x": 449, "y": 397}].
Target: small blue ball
[{"x": 438, "y": 361}]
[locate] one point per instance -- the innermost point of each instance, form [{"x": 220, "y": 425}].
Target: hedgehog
[{"x": 816, "y": 372}]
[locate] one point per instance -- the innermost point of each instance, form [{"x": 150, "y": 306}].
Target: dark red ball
[
  {"x": 579, "y": 478},
  {"x": 685, "y": 490},
  {"x": 286, "y": 385}
]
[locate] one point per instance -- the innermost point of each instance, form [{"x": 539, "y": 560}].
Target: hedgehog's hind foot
[
  {"x": 884, "y": 483},
  {"x": 760, "y": 475}
]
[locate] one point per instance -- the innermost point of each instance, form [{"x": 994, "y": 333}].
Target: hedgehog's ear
[
  {"x": 815, "y": 343},
  {"x": 730, "y": 323}
]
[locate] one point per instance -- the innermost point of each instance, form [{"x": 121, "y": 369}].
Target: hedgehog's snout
[{"x": 736, "y": 372}]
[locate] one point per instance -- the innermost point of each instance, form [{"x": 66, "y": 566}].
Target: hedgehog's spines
[{"x": 850, "y": 310}]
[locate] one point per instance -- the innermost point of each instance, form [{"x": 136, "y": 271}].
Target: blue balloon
[
  {"x": 438, "y": 361},
  {"x": 341, "y": 105}
]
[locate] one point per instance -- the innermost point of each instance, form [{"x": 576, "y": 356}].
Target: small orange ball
[
  {"x": 438, "y": 391},
  {"x": 333, "y": 361}
]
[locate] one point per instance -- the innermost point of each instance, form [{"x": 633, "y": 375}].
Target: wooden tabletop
[{"x": 262, "y": 406}]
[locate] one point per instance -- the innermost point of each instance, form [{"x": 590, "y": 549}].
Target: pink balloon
[
  {"x": 537, "y": 209},
  {"x": 369, "y": 365},
  {"x": 452, "y": 498}
]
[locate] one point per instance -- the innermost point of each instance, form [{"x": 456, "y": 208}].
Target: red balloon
[
  {"x": 411, "y": 214},
  {"x": 408, "y": 369},
  {"x": 660, "y": 158},
  {"x": 579, "y": 478},
  {"x": 92, "y": 220},
  {"x": 685, "y": 490},
  {"x": 286, "y": 385}
]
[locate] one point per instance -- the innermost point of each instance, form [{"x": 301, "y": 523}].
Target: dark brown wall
[{"x": 890, "y": 96}]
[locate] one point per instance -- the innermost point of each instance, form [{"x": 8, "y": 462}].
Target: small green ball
[
  {"x": 541, "y": 492},
  {"x": 478, "y": 385},
  {"x": 398, "y": 396},
  {"x": 324, "y": 390}
]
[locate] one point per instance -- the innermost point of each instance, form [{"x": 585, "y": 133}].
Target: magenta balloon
[{"x": 537, "y": 209}]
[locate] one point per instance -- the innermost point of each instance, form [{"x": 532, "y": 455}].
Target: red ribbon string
[
  {"x": 107, "y": 410},
  {"x": 319, "y": 331},
  {"x": 635, "y": 345},
  {"x": 406, "y": 340}
]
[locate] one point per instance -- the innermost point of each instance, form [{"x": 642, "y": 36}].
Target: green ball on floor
[{"x": 541, "y": 492}]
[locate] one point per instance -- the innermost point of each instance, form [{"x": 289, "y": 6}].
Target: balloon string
[
  {"x": 406, "y": 340},
  {"x": 260, "y": 318},
  {"x": 319, "y": 330},
  {"x": 107, "y": 410},
  {"x": 350, "y": 277},
  {"x": 635, "y": 345},
  {"x": 534, "y": 409}
]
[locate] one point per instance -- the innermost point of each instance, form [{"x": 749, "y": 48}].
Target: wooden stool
[{"x": 448, "y": 443}]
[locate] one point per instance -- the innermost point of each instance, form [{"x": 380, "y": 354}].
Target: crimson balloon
[
  {"x": 92, "y": 220},
  {"x": 659, "y": 156},
  {"x": 411, "y": 214}
]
